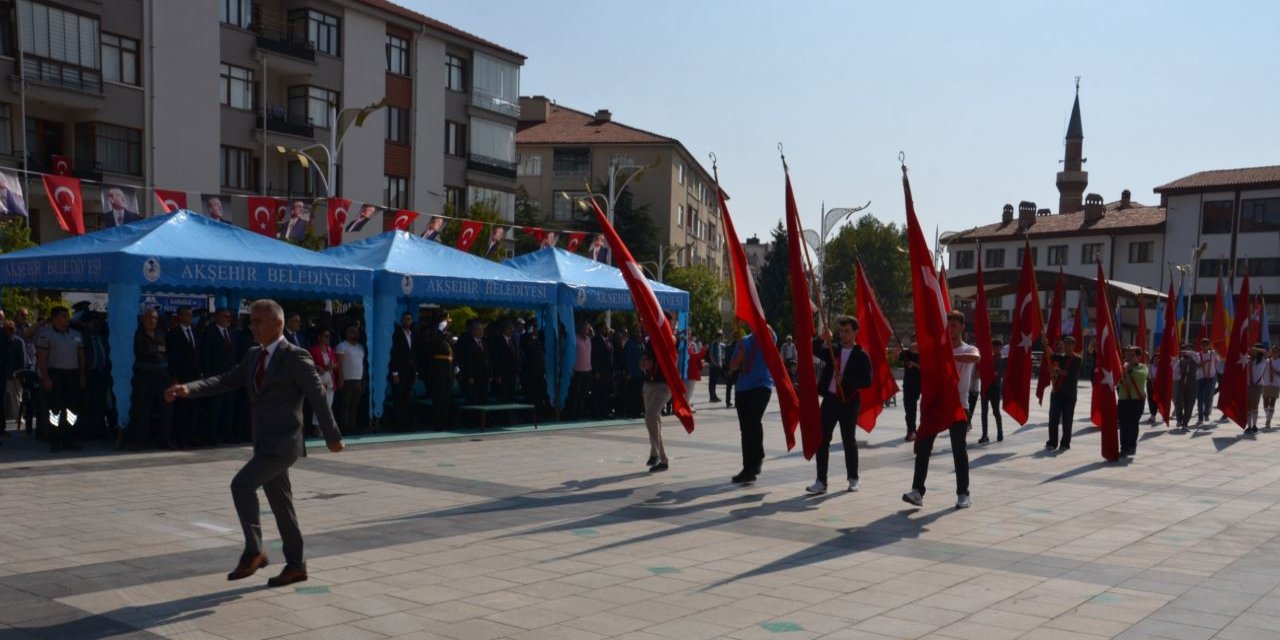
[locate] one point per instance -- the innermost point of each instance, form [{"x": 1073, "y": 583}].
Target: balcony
[
  {"x": 285, "y": 43},
  {"x": 491, "y": 166},
  {"x": 491, "y": 102},
  {"x": 279, "y": 121},
  {"x": 79, "y": 169},
  {"x": 65, "y": 76}
]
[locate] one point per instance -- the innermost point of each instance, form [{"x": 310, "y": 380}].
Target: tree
[
  {"x": 15, "y": 235},
  {"x": 774, "y": 285},
  {"x": 528, "y": 214},
  {"x": 888, "y": 266},
  {"x": 484, "y": 212},
  {"x": 705, "y": 291},
  {"x": 632, "y": 223}
]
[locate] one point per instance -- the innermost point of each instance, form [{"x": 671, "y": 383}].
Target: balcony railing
[
  {"x": 491, "y": 102},
  {"x": 493, "y": 166},
  {"x": 58, "y": 74},
  {"x": 282, "y": 122},
  {"x": 79, "y": 169},
  {"x": 285, "y": 43}
]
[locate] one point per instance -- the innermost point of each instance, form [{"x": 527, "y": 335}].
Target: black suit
[
  {"x": 219, "y": 354},
  {"x": 472, "y": 359},
  {"x": 404, "y": 372},
  {"x": 184, "y": 366},
  {"x": 504, "y": 362},
  {"x": 601, "y": 376},
  {"x": 842, "y": 406}
]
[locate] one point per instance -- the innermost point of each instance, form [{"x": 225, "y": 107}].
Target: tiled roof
[
  {"x": 1223, "y": 178},
  {"x": 403, "y": 12},
  {"x": 1135, "y": 219},
  {"x": 567, "y": 126}
]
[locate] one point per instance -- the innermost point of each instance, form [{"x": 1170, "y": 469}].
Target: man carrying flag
[
  {"x": 946, "y": 365},
  {"x": 843, "y": 379}
]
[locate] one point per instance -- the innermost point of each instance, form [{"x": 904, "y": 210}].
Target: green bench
[{"x": 485, "y": 409}]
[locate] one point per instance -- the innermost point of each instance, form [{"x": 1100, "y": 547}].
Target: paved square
[{"x": 563, "y": 536}]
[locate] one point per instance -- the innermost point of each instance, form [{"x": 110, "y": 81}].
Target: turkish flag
[
  {"x": 982, "y": 334},
  {"x": 539, "y": 234},
  {"x": 802, "y": 307},
  {"x": 171, "y": 200},
  {"x": 1220, "y": 323},
  {"x": 64, "y": 197},
  {"x": 1142, "y": 328},
  {"x": 468, "y": 233},
  {"x": 1052, "y": 336},
  {"x": 403, "y": 220},
  {"x": 1233, "y": 389},
  {"x": 339, "y": 210},
  {"x": 61, "y": 165},
  {"x": 873, "y": 337},
  {"x": 661, "y": 335},
  {"x": 940, "y": 402},
  {"x": 748, "y": 309},
  {"x": 1106, "y": 374},
  {"x": 575, "y": 241},
  {"x": 1255, "y": 320},
  {"x": 1025, "y": 331},
  {"x": 262, "y": 215},
  {"x": 1162, "y": 386}
]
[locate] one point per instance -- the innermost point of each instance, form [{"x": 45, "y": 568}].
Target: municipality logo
[
  {"x": 406, "y": 284},
  {"x": 151, "y": 269}
]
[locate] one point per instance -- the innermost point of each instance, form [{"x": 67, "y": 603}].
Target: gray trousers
[
  {"x": 272, "y": 474},
  {"x": 656, "y": 395}
]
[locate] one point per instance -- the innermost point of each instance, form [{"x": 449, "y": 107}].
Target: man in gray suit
[{"x": 279, "y": 377}]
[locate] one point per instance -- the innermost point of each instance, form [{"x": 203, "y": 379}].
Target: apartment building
[
  {"x": 199, "y": 97},
  {"x": 561, "y": 149}
]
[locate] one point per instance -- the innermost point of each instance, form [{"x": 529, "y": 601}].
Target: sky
[{"x": 976, "y": 94}]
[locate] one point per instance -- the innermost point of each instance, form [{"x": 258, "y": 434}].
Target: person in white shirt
[
  {"x": 966, "y": 357},
  {"x": 1258, "y": 364},
  {"x": 1271, "y": 384},
  {"x": 1208, "y": 364}
]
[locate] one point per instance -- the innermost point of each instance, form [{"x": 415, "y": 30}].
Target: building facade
[
  {"x": 199, "y": 97},
  {"x": 562, "y": 149}
]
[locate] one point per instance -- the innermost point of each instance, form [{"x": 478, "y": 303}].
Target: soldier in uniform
[
  {"x": 440, "y": 369},
  {"x": 151, "y": 415},
  {"x": 61, "y": 365}
]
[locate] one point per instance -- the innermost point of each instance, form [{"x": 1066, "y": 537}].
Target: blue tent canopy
[
  {"x": 410, "y": 269},
  {"x": 181, "y": 252}
]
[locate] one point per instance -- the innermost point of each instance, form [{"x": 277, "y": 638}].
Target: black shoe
[
  {"x": 55, "y": 447},
  {"x": 984, "y": 440},
  {"x": 651, "y": 461},
  {"x": 1050, "y": 445},
  {"x": 661, "y": 466},
  {"x": 1000, "y": 438},
  {"x": 715, "y": 400},
  {"x": 729, "y": 404},
  {"x": 1065, "y": 446},
  {"x": 743, "y": 478},
  {"x": 70, "y": 446}
]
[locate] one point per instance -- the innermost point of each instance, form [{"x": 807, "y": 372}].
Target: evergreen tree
[{"x": 774, "y": 285}]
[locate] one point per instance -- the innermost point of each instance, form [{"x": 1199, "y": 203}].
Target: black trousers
[
  {"x": 272, "y": 474},
  {"x": 1128, "y": 413},
  {"x": 973, "y": 404},
  {"x": 65, "y": 396},
  {"x": 713, "y": 382},
  {"x": 846, "y": 415},
  {"x": 93, "y": 418},
  {"x": 1062, "y": 410},
  {"x": 1186, "y": 394},
  {"x": 1151, "y": 399},
  {"x": 910, "y": 402},
  {"x": 992, "y": 403},
  {"x": 440, "y": 384},
  {"x": 601, "y": 393},
  {"x": 729, "y": 382},
  {"x": 151, "y": 417},
  {"x": 924, "y": 449},
  {"x": 579, "y": 395},
  {"x": 219, "y": 418},
  {"x": 188, "y": 425},
  {"x": 751, "y": 406},
  {"x": 402, "y": 401}
]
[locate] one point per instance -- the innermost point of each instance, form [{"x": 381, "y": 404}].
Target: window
[
  {"x": 995, "y": 302},
  {"x": 314, "y": 102},
  {"x": 322, "y": 30},
  {"x": 1259, "y": 215},
  {"x": 622, "y": 160},
  {"x": 455, "y": 78},
  {"x": 564, "y": 203},
  {"x": 455, "y": 139},
  {"x": 994, "y": 258},
  {"x": 238, "y": 169},
  {"x": 119, "y": 59},
  {"x": 396, "y": 195},
  {"x": 530, "y": 165},
  {"x": 1263, "y": 267},
  {"x": 679, "y": 215},
  {"x": 1215, "y": 216},
  {"x": 1091, "y": 253},
  {"x": 964, "y": 260},
  {"x": 397, "y": 55},
  {"x": 304, "y": 181},
  {"x": 571, "y": 163},
  {"x": 109, "y": 147},
  {"x": 453, "y": 197},
  {"x": 1058, "y": 255},
  {"x": 680, "y": 172},
  {"x": 237, "y": 13},
  {"x": 1035, "y": 255},
  {"x": 501, "y": 202},
  {"x": 6, "y": 128},
  {"x": 1140, "y": 251},
  {"x": 235, "y": 87},
  {"x": 397, "y": 125},
  {"x": 493, "y": 141},
  {"x": 6, "y": 30},
  {"x": 61, "y": 47},
  {"x": 495, "y": 85}
]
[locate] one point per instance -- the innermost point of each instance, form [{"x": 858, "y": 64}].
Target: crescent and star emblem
[
  {"x": 260, "y": 221},
  {"x": 66, "y": 206}
]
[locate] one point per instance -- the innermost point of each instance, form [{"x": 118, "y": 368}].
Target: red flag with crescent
[
  {"x": 467, "y": 234},
  {"x": 1106, "y": 374},
  {"x": 61, "y": 165},
  {"x": 1024, "y": 334},
  {"x": 539, "y": 234},
  {"x": 171, "y": 200},
  {"x": 64, "y": 197},
  {"x": 262, "y": 215},
  {"x": 339, "y": 211},
  {"x": 575, "y": 241},
  {"x": 403, "y": 220},
  {"x": 1233, "y": 390}
]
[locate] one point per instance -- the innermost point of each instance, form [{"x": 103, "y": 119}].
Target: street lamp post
[
  {"x": 831, "y": 218},
  {"x": 340, "y": 123}
]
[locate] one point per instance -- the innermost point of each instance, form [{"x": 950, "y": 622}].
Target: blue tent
[
  {"x": 181, "y": 252},
  {"x": 592, "y": 286},
  {"x": 410, "y": 270}
]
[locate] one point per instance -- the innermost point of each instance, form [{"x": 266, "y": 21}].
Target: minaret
[{"x": 1073, "y": 179}]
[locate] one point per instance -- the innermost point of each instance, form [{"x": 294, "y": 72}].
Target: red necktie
[{"x": 262, "y": 368}]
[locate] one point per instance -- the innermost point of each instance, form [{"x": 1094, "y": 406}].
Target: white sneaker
[
  {"x": 855, "y": 484},
  {"x": 914, "y": 498},
  {"x": 964, "y": 502},
  {"x": 816, "y": 488}
]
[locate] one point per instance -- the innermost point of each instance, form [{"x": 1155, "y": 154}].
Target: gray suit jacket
[{"x": 275, "y": 409}]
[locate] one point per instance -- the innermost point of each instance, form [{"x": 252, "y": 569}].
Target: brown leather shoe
[
  {"x": 288, "y": 576},
  {"x": 248, "y": 566}
]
